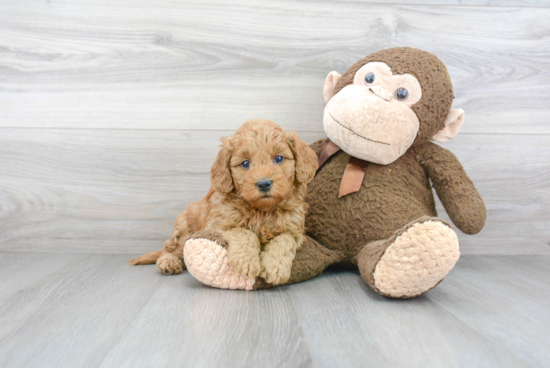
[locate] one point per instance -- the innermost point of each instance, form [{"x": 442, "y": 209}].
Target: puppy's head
[{"x": 263, "y": 164}]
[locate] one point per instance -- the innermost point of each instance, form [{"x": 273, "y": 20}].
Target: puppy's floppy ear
[
  {"x": 306, "y": 160},
  {"x": 220, "y": 174}
]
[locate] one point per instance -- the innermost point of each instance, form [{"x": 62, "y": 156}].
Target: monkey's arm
[
  {"x": 318, "y": 146},
  {"x": 458, "y": 194}
]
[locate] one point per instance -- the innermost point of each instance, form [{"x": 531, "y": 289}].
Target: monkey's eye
[
  {"x": 245, "y": 164},
  {"x": 401, "y": 94},
  {"x": 369, "y": 78},
  {"x": 278, "y": 159}
]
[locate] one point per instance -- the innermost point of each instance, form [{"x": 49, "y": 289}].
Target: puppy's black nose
[{"x": 264, "y": 184}]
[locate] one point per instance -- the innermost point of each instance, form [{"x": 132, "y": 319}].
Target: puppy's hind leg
[
  {"x": 171, "y": 260},
  {"x": 153, "y": 257}
]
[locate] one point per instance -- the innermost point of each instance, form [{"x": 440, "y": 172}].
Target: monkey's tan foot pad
[
  {"x": 417, "y": 260},
  {"x": 207, "y": 261}
]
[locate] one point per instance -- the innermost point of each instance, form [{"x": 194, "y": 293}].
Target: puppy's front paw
[
  {"x": 244, "y": 263},
  {"x": 274, "y": 271},
  {"x": 170, "y": 264}
]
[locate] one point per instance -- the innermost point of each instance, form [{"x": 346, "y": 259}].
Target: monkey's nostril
[{"x": 264, "y": 184}]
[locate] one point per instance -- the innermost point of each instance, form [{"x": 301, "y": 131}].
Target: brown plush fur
[
  {"x": 359, "y": 227},
  {"x": 263, "y": 230},
  {"x": 391, "y": 196}
]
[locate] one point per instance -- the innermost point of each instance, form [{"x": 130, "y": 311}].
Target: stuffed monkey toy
[{"x": 371, "y": 202}]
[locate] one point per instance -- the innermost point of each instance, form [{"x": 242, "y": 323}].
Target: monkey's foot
[
  {"x": 417, "y": 260},
  {"x": 206, "y": 259}
]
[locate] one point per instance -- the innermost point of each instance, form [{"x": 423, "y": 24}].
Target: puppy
[{"x": 255, "y": 202}]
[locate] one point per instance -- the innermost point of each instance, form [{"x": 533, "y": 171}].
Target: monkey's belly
[{"x": 386, "y": 201}]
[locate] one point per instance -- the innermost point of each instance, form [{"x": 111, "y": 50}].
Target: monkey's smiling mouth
[{"x": 360, "y": 136}]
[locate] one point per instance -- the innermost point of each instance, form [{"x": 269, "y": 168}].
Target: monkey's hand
[{"x": 458, "y": 194}]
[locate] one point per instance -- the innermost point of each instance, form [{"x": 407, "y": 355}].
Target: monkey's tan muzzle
[{"x": 367, "y": 123}]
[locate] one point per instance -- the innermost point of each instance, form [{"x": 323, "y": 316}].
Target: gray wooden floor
[
  {"x": 111, "y": 111},
  {"x": 79, "y": 310}
]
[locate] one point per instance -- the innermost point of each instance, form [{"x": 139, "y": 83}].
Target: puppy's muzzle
[{"x": 264, "y": 185}]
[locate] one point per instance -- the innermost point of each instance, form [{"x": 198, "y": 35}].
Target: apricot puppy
[{"x": 255, "y": 202}]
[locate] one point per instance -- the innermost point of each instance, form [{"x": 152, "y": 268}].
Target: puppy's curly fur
[{"x": 263, "y": 228}]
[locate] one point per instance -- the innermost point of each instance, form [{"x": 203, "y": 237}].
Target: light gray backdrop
[{"x": 111, "y": 111}]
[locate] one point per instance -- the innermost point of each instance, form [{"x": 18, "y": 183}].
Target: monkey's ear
[
  {"x": 330, "y": 83},
  {"x": 306, "y": 160},
  {"x": 453, "y": 123},
  {"x": 220, "y": 174}
]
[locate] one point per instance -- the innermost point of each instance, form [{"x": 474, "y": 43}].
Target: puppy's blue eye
[
  {"x": 245, "y": 164},
  {"x": 278, "y": 159},
  {"x": 369, "y": 78}
]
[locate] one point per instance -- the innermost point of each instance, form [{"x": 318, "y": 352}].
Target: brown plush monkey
[{"x": 371, "y": 202}]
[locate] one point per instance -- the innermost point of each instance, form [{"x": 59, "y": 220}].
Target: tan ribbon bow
[{"x": 353, "y": 174}]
